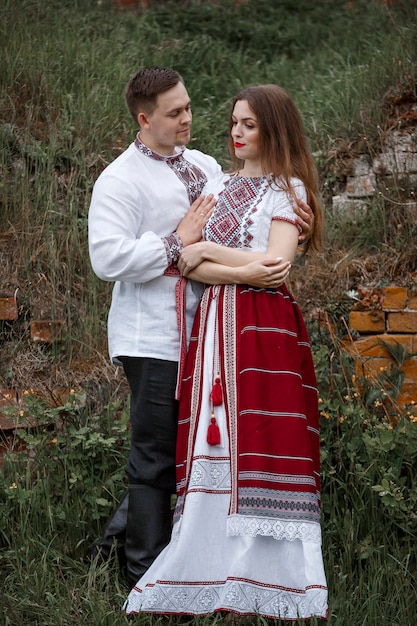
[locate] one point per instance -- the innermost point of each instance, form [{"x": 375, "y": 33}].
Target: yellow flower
[{"x": 13, "y": 486}]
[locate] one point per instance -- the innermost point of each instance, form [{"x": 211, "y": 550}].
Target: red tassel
[
  {"x": 216, "y": 395},
  {"x": 213, "y": 433}
]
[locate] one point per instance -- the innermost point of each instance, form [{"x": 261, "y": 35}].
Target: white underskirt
[{"x": 205, "y": 569}]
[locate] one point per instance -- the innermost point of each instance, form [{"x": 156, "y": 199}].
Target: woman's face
[{"x": 245, "y": 132}]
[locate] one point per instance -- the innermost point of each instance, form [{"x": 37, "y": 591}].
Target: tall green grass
[
  {"x": 62, "y": 119},
  {"x": 60, "y": 482}
]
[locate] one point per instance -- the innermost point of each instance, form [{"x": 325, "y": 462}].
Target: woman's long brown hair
[{"x": 283, "y": 145}]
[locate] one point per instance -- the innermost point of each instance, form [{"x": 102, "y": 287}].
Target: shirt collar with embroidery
[{"x": 155, "y": 155}]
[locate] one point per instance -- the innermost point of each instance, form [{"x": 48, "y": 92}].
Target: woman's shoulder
[
  {"x": 296, "y": 186},
  {"x": 294, "y": 182}
]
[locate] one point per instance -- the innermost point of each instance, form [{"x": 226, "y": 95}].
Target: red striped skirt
[{"x": 269, "y": 388}]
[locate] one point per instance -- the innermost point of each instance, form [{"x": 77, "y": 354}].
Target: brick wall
[
  {"x": 390, "y": 315},
  {"x": 14, "y": 412}
]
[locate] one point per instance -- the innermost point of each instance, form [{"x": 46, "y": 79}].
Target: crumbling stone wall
[
  {"x": 395, "y": 163},
  {"x": 387, "y": 316},
  {"x": 381, "y": 318}
]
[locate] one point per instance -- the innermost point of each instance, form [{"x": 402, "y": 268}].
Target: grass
[
  {"x": 62, "y": 484},
  {"x": 62, "y": 119}
]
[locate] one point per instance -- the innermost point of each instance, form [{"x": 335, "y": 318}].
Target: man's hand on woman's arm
[{"x": 305, "y": 218}]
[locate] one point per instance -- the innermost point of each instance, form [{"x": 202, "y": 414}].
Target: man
[{"x": 145, "y": 207}]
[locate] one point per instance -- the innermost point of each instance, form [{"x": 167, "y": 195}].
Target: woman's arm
[
  {"x": 255, "y": 268},
  {"x": 196, "y": 253}
]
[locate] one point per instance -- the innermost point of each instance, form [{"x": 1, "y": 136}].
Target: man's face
[{"x": 170, "y": 123}]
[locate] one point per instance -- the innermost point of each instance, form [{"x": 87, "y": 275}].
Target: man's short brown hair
[{"x": 144, "y": 87}]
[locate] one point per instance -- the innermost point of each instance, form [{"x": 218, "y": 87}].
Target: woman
[{"x": 246, "y": 536}]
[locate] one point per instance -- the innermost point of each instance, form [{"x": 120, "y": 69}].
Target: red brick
[
  {"x": 46, "y": 331},
  {"x": 371, "y": 346},
  {"x": 408, "y": 394},
  {"x": 410, "y": 369},
  {"x": 402, "y": 322},
  {"x": 8, "y": 308},
  {"x": 367, "y": 321},
  {"x": 412, "y": 299},
  {"x": 372, "y": 368},
  {"x": 394, "y": 298}
]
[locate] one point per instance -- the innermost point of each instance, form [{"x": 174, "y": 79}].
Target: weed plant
[
  {"x": 60, "y": 481},
  {"x": 62, "y": 120},
  {"x": 63, "y": 117}
]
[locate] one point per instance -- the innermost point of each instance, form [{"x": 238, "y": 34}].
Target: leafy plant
[{"x": 62, "y": 120}]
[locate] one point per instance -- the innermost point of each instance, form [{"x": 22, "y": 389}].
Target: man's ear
[{"x": 143, "y": 120}]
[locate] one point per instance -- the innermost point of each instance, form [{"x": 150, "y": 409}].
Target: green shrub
[{"x": 62, "y": 119}]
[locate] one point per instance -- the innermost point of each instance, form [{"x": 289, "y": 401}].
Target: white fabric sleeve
[
  {"x": 117, "y": 251},
  {"x": 283, "y": 208}
]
